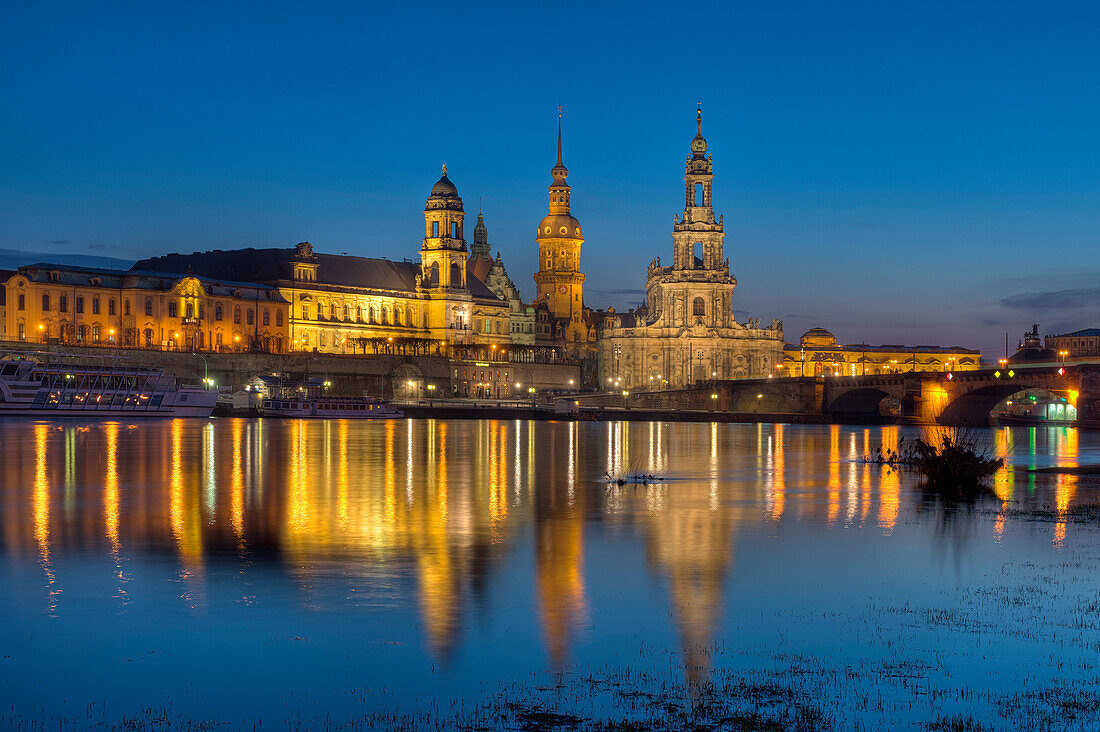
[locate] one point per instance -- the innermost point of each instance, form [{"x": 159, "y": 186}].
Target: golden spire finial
[{"x": 444, "y": 169}]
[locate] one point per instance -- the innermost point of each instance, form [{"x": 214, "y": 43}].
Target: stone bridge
[{"x": 927, "y": 397}]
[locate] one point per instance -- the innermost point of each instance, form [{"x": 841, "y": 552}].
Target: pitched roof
[
  {"x": 1086, "y": 333},
  {"x": 275, "y": 266},
  {"x": 116, "y": 279}
]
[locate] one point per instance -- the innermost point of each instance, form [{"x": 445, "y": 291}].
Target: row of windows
[
  {"x": 489, "y": 375},
  {"x": 190, "y": 309},
  {"x": 349, "y": 314},
  {"x": 63, "y": 304},
  {"x": 1074, "y": 343}
]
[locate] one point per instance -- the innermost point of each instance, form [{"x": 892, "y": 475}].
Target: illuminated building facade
[
  {"x": 143, "y": 309},
  {"x": 819, "y": 354},
  {"x": 343, "y": 304},
  {"x": 687, "y": 331},
  {"x": 1078, "y": 344}
]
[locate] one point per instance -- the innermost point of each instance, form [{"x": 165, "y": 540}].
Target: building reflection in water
[{"x": 346, "y": 507}]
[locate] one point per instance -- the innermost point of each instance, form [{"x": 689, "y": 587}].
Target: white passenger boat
[{"x": 40, "y": 384}]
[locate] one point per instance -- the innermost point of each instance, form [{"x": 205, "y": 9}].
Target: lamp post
[
  {"x": 205, "y": 370},
  {"x": 1063, "y": 354}
]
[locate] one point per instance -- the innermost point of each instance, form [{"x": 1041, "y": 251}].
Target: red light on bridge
[
  {"x": 1061, "y": 372},
  {"x": 950, "y": 376}
]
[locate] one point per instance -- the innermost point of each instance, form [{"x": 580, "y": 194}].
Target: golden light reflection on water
[
  {"x": 834, "y": 472},
  {"x": 449, "y": 503},
  {"x": 889, "y": 484}
]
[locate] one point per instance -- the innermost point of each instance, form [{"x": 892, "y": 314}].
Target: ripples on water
[{"x": 272, "y": 572}]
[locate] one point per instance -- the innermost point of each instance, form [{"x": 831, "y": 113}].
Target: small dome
[
  {"x": 444, "y": 188},
  {"x": 818, "y": 337}
]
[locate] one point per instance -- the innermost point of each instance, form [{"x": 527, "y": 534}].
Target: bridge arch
[
  {"x": 975, "y": 406},
  {"x": 864, "y": 403},
  {"x": 762, "y": 400}
]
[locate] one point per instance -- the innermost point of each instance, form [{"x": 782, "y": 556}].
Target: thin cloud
[{"x": 1078, "y": 297}]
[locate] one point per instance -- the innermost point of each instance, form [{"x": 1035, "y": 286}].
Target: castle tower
[
  {"x": 481, "y": 260},
  {"x": 481, "y": 237},
  {"x": 443, "y": 253},
  {"x": 559, "y": 280},
  {"x": 696, "y": 236}
]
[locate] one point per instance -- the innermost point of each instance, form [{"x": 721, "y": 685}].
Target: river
[{"x": 282, "y": 574}]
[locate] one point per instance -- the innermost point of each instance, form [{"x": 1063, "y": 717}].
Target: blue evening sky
[{"x": 896, "y": 172}]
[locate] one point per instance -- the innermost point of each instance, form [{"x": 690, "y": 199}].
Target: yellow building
[
  {"x": 559, "y": 283},
  {"x": 140, "y": 309},
  {"x": 345, "y": 304},
  {"x": 819, "y": 354}
]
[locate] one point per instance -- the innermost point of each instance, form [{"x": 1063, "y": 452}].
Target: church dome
[
  {"x": 818, "y": 337},
  {"x": 554, "y": 224}
]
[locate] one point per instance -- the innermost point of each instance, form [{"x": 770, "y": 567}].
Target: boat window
[
  {"x": 9, "y": 369},
  {"x": 156, "y": 400},
  {"x": 67, "y": 398},
  {"x": 40, "y": 397}
]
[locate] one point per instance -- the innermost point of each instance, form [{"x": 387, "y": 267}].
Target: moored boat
[
  {"x": 309, "y": 399},
  {"x": 46, "y": 384}
]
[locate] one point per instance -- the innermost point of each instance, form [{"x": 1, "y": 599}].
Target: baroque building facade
[
  {"x": 345, "y": 304},
  {"x": 686, "y": 331},
  {"x": 144, "y": 309},
  {"x": 819, "y": 354}
]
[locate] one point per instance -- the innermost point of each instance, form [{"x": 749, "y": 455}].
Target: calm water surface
[{"x": 286, "y": 573}]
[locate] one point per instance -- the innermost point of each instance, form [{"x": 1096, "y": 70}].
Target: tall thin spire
[
  {"x": 559, "y": 171},
  {"x": 699, "y": 121},
  {"x": 559, "y": 138}
]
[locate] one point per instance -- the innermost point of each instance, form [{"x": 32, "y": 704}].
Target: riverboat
[
  {"x": 330, "y": 407},
  {"x": 39, "y": 384},
  {"x": 296, "y": 399}
]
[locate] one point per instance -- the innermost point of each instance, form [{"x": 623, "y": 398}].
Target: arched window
[
  {"x": 237, "y": 314},
  {"x": 433, "y": 275},
  {"x": 373, "y": 314},
  {"x": 218, "y": 311},
  {"x": 148, "y": 333},
  {"x": 698, "y": 307},
  {"x": 456, "y": 275}
]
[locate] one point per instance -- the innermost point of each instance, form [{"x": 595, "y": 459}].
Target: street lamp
[{"x": 1063, "y": 354}]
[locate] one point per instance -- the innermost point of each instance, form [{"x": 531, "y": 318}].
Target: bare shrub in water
[{"x": 955, "y": 462}]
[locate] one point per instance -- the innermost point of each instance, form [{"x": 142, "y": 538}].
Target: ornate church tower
[
  {"x": 559, "y": 280},
  {"x": 443, "y": 253},
  {"x": 697, "y": 237}
]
